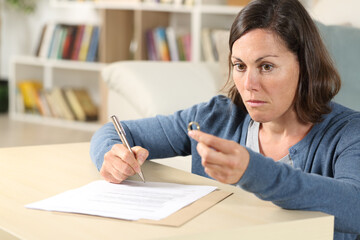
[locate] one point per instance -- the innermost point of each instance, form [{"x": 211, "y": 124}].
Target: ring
[{"x": 189, "y": 128}]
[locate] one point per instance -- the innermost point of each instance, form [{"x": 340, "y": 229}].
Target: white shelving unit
[
  {"x": 121, "y": 24},
  {"x": 203, "y": 13},
  {"x": 54, "y": 73}
]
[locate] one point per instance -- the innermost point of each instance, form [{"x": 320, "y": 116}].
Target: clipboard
[{"x": 191, "y": 211}]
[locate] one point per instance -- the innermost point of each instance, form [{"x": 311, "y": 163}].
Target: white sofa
[{"x": 139, "y": 89}]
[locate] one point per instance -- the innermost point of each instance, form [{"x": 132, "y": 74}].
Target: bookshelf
[
  {"x": 51, "y": 73},
  {"x": 122, "y": 37},
  {"x": 124, "y": 23}
]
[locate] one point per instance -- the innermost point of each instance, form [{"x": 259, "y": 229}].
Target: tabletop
[{"x": 33, "y": 173}]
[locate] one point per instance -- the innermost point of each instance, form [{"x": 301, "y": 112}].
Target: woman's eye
[
  {"x": 266, "y": 67},
  {"x": 239, "y": 67}
]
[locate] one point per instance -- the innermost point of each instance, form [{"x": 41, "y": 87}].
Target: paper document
[{"x": 130, "y": 200}]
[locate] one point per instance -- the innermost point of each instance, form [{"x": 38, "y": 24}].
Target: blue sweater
[{"x": 326, "y": 172}]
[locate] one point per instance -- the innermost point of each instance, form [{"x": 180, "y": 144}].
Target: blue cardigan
[{"x": 326, "y": 172}]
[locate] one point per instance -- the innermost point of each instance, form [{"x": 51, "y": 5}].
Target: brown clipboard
[{"x": 191, "y": 211}]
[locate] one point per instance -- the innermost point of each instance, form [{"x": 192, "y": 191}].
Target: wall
[{"x": 337, "y": 12}]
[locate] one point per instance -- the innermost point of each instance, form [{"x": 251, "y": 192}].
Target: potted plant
[{"x": 26, "y": 6}]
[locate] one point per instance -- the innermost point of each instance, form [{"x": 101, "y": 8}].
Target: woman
[{"x": 277, "y": 135}]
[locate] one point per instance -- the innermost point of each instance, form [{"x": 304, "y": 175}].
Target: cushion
[
  {"x": 343, "y": 44},
  {"x": 162, "y": 87}
]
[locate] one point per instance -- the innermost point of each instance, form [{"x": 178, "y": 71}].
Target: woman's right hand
[{"x": 119, "y": 163}]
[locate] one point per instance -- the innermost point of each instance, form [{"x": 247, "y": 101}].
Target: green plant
[{"x": 27, "y": 6}]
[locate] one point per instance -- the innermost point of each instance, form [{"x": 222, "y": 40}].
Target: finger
[
  {"x": 114, "y": 169},
  {"x": 212, "y": 141},
  {"x": 109, "y": 177},
  {"x": 238, "y": 159},
  {"x": 209, "y": 155},
  {"x": 107, "y": 170},
  {"x": 141, "y": 154},
  {"x": 222, "y": 173},
  {"x": 215, "y": 172},
  {"x": 126, "y": 156}
]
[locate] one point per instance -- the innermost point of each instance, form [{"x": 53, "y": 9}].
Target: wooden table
[{"x": 29, "y": 174}]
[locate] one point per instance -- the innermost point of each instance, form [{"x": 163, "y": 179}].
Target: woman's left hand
[{"x": 223, "y": 160}]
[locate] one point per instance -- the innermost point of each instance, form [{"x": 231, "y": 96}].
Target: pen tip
[{"x": 141, "y": 176}]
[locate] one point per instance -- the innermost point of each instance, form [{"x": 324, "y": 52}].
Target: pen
[{"x": 120, "y": 130}]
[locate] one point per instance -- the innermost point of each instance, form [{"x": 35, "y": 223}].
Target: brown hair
[{"x": 319, "y": 80}]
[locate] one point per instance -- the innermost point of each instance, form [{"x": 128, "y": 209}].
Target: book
[
  {"x": 93, "y": 48},
  {"x": 60, "y": 100},
  {"x": 77, "y": 43},
  {"x": 221, "y": 36},
  {"x": 54, "y": 43},
  {"x": 28, "y": 90},
  {"x": 69, "y": 41},
  {"x": 162, "y": 44},
  {"x": 75, "y": 104},
  {"x": 166, "y": 1},
  {"x": 53, "y": 106},
  {"x": 62, "y": 37},
  {"x": 42, "y": 104},
  {"x": 186, "y": 39},
  {"x": 89, "y": 107},
  {"x": 41, "y": 40},
  {"x": 173, "y": 48},
  {"x": 181, "y": 48},
  {"x": 46, "y": 42},
  {"x": 85, "y": 42},
  {"x": 189, "y": 2},
  {"x": 207, "y": 45},
  {"x": 150, "y": 45}
]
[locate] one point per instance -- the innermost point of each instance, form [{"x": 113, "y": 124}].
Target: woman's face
[{"x": 266, "y": 75}]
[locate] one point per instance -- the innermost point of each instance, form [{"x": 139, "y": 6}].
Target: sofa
[{"x": 139, "y": 89}]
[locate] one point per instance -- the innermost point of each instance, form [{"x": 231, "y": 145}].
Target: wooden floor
[{"x": 19, "y": 133}]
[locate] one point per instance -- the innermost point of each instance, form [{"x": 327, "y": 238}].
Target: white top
[{"x": 252, "y": 141}]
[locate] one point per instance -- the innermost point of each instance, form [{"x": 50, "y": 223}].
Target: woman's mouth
[{"x": 255, "y": 103}]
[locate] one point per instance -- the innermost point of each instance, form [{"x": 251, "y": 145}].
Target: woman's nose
[{"x": 251, "y": 82}]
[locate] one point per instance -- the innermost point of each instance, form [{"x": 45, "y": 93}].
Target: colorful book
[
  {"x": 187, "y": 46},
  {"x": 69, "y": 41},
  {"x": 46, "y": 42},
  {"x": 28, "y": 90},
  {"x": 54, "y": 107},
  {"x": 75, "y": 104},
  {"x": 94, "y": 43},
  {"x": 61, "y": 101},
  {"x": 89, "y": 107},
  {"x": 77, "y": 43},
  {"x": 60, "y": 48},
  {"x": 173, "y": 47},
  {"x": 162, "y": 45},
  {"x": 54, "y": 44},
  {"x": 85, "y": 43},
  {"x": 181, "y": 48},
  {"x": 150, "y": 45}
]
